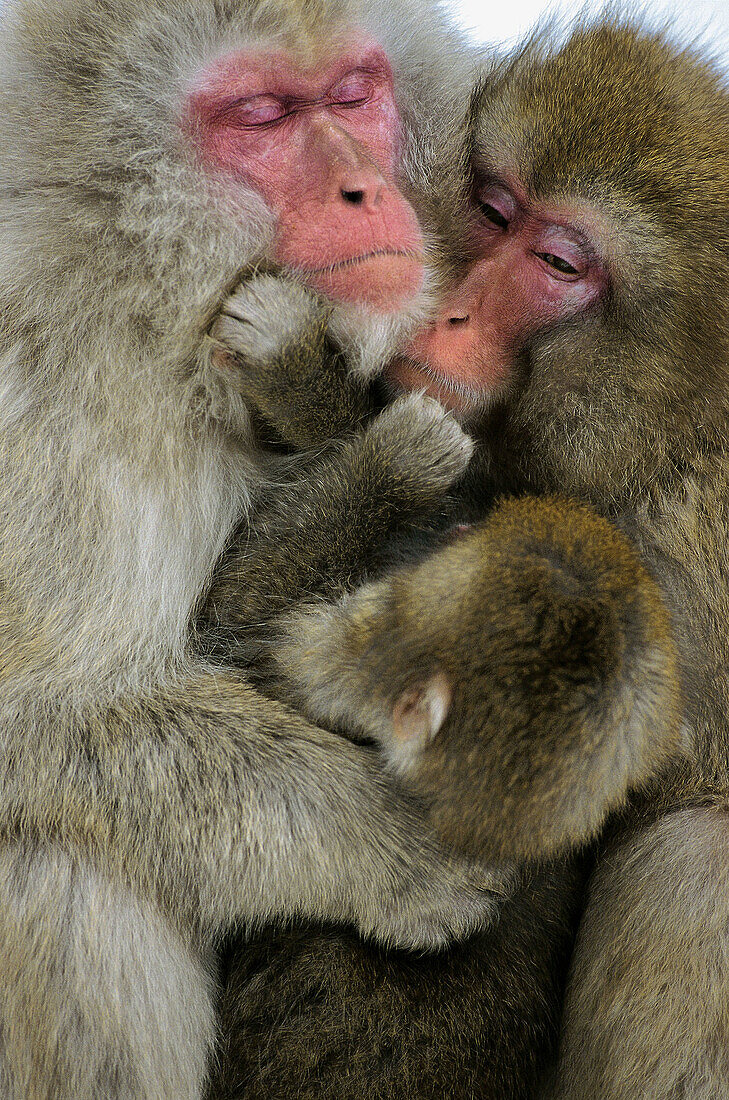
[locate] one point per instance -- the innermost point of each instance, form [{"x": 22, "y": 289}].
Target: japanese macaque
[
  {"x": 523, "y": 679},
  {"x": 153, "y": 155},
  {"x": 520, "y": 680}
]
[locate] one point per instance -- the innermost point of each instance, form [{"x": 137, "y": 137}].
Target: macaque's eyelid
[
  {"x": 493, "y": 217},
  {"x": 553, "y": 270},
  {"x": 234, "y": 114},
  {"x": 495, "y": 202},
  {"x": 364, "y": 84},
  {"x": 266, "y": 125},
  {"x": 346, "y": 104}
]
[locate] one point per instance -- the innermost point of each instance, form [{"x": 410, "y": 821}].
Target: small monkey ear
[
  {"x": 421, "y": 710},
  {"x": 224, "y": 360}
]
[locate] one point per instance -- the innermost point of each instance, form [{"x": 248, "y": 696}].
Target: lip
[
  {"x": 451, "y": 392},
  {"x": 354, "y": 261}
]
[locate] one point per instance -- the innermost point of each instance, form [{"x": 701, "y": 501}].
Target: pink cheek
[{"x": 255, "y": 160}]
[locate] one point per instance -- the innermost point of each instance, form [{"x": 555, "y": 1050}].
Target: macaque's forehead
[
  {"x": 612, "y": 109},
  {"x": 549, "y": 139},
  {"x": 310, "y": 64},
  {"x": 292, "y": 20}
]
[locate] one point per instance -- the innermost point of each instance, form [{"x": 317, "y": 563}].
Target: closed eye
[
  {"x": 493, "y": 215},
  {"x": 354, "y": 90},
  {"x": 259, "y": 110}
]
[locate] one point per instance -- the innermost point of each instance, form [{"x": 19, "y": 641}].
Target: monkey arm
[
  {"x": 325, "y": 530},
  {"x": 522, "y": 680},
  {"x": 227, "y": 807},
  {"x": 276, "y": 350}
]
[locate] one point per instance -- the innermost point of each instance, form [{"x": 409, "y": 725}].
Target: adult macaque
[
  {"x": 591, "y": 341},
  {"x": 151, "y": 153}
]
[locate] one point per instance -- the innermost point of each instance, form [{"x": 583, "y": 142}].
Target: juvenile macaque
[
  {"x": 151, "y": 156},
  {"x": 503, "y": 674},
  {"x": 590, "y": 343}
]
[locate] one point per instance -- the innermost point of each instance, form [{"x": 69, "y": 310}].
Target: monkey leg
[
  {"x": 647, "y": 1011},
  {"x": 321, "y": 1015},
  {"x": 99, "y": 997}
]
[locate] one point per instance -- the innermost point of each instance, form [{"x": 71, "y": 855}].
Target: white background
[{"x": 503, "y": 21}]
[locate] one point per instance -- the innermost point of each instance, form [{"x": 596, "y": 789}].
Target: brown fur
[
  {"x": 626, "y": 409},
  {"x": 318, "y": 1013},
  {"x": 537, "y": 662}
]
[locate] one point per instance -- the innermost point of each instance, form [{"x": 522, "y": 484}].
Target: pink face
[
  {"x": 533, "y": 269},
  {"x": 321, "y": 146}
]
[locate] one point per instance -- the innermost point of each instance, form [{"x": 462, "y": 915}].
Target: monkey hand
[
  {"x": 262, "y": 318},
  {"x": 429, "y": 896},
  {"x": 273, "y": 345},
  {"x": 445, "y": 900},
  {"x": 521, "y": 680},
  {"x": 420, "y": 448}
]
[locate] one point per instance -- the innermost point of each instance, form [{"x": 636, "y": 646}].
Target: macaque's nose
[
  {"x": 451, "y": 337},
  {"x": 454, "y": 335},
  {"x": 471, "y": 338},
  {"x": 457, "y": 325},
  {"x": 354, "y": 179},
  {"x": 361, "y": 185}
]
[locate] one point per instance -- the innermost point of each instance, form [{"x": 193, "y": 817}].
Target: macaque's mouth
[
  {"x": 383, "y": 280},
  {"x": 376, "y": 254},
  {"x": 452, "y": 392}
]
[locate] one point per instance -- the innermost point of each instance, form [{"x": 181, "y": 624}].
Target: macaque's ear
[{"x": 421, "y": 710}]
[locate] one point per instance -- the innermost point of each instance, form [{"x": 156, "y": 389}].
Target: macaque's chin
[
  {"x": 382, "y": 281},
  {"x": 464, "y": 399}
]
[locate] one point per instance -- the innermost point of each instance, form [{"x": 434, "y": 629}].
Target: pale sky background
[{"x": 504, "y": 21}]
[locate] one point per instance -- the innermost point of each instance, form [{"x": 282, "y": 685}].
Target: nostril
[
  {"x": 461, "y": 320},
  {"x": 354, "y": 198}
]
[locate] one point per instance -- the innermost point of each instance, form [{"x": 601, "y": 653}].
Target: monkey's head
[
  {"x": 497, "y": 671},
  {"x": 177, "y": 146},
  {"x": 595, "y": 310}
]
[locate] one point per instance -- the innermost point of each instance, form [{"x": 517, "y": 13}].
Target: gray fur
[{"x": 150, "y": 799}]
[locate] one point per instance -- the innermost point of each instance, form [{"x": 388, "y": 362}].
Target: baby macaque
[{"x": 510, "y": 677}]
